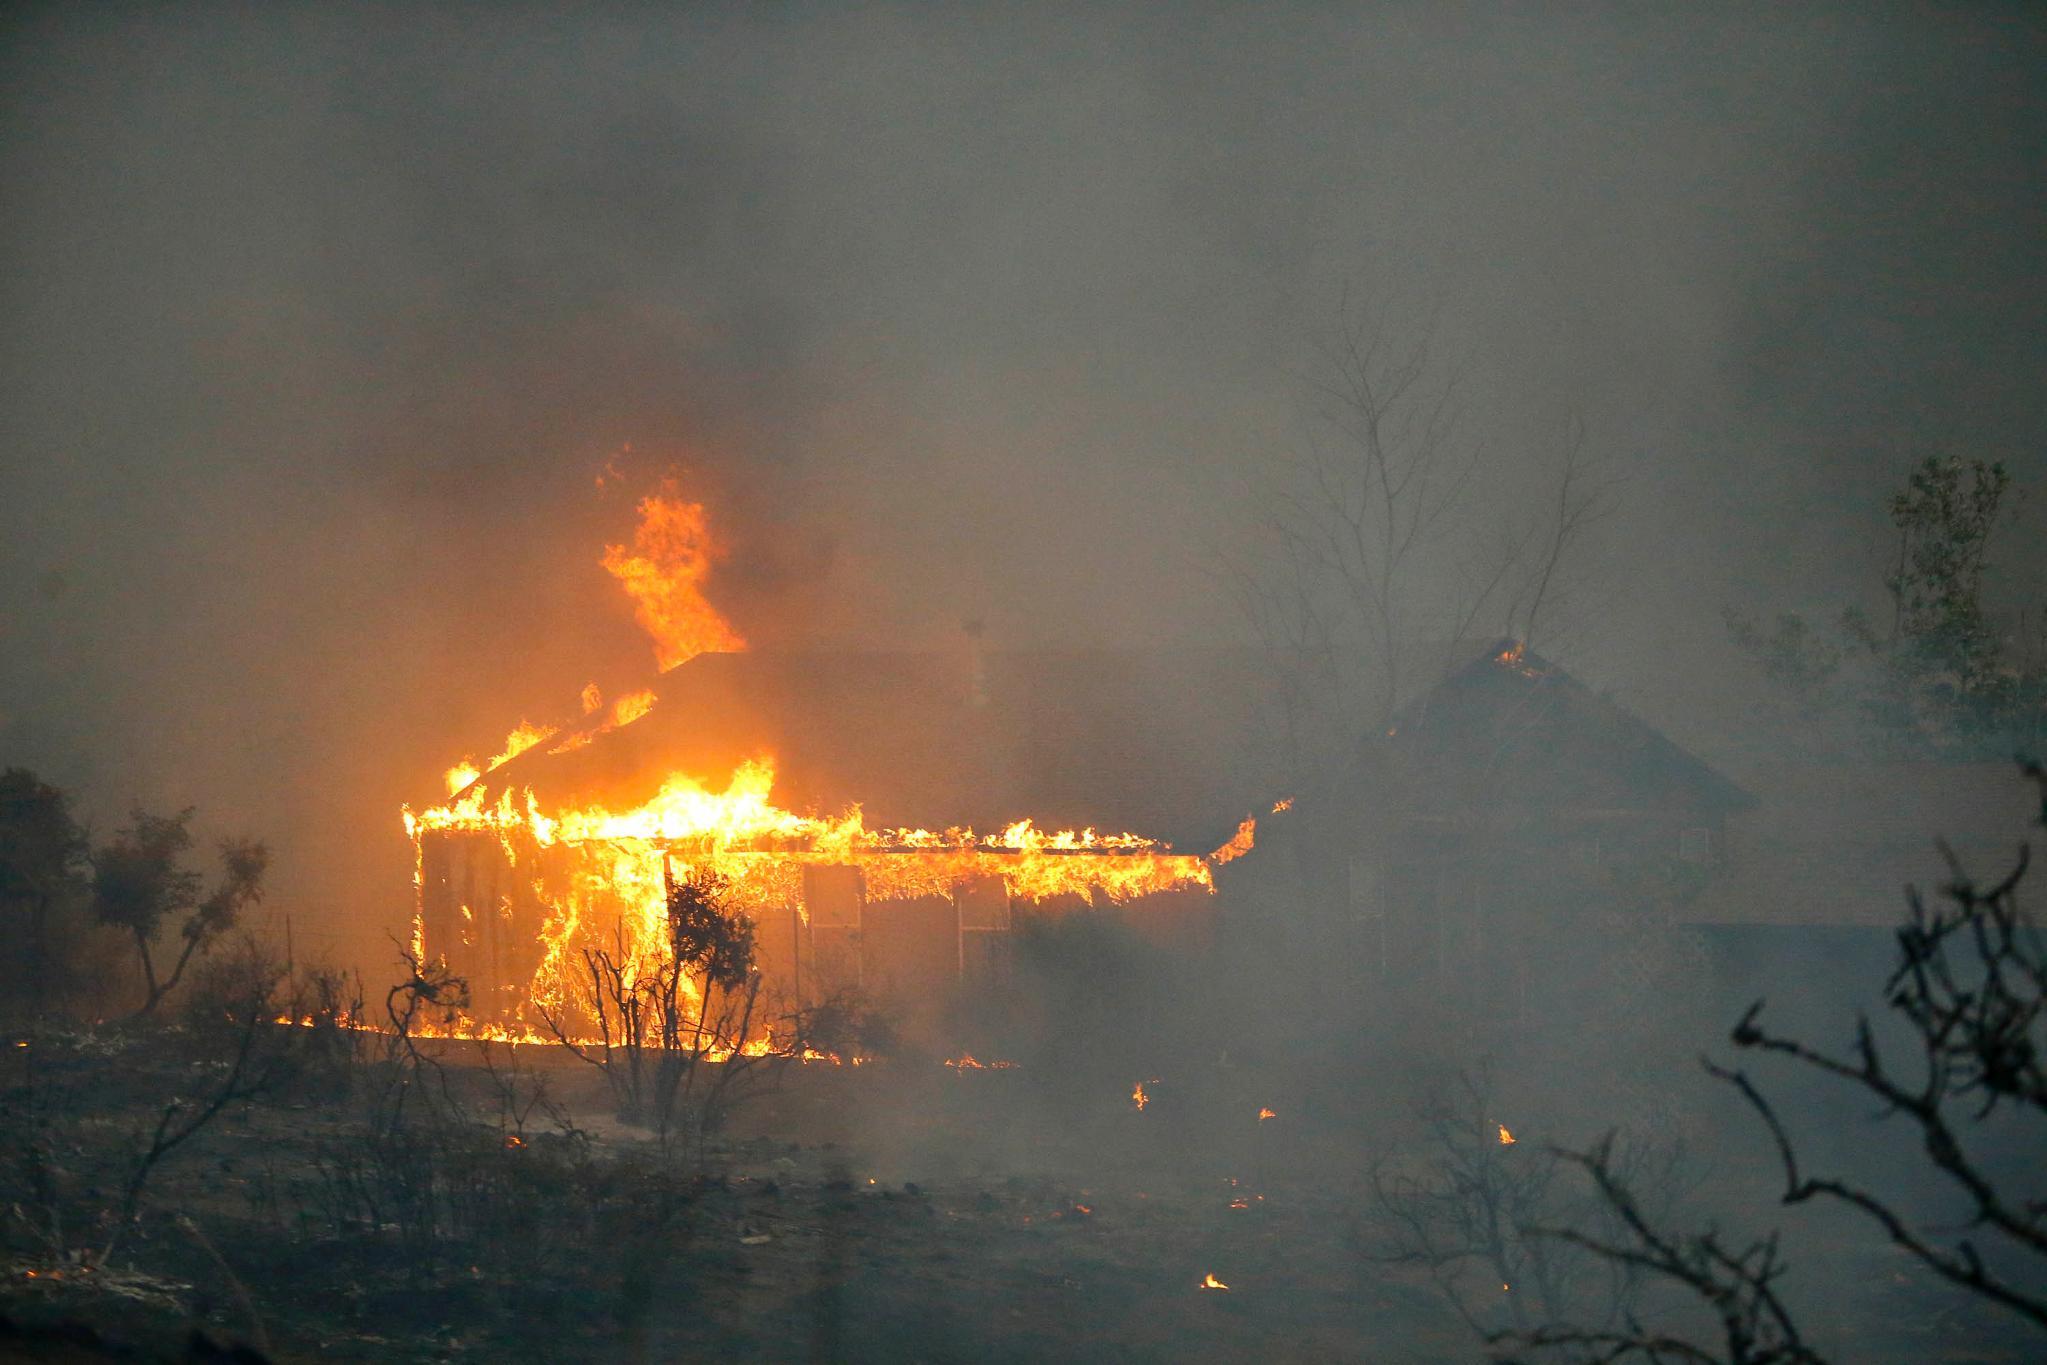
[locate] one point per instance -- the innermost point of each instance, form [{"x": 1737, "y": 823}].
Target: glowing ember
[
  {"x": 1209, "y": 1281},
  {"x": 1240, "y": 1203},
  {"x": 1506, "y": 1138},
  {"x": 1264, "y": 1114},
  {"x": 1515, "y": 657},
  {"x": 671, "y": 555}
]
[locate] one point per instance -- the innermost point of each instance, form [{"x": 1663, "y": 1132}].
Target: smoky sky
[{"x": 320, "y": 322}]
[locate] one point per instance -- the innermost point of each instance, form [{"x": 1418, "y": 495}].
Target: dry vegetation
[{"x": 308, "y": 1190}]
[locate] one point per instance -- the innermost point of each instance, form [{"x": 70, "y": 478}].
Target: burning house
[
  {"x": 909, "y": 889},
  {"x": 863, "y": 811}
]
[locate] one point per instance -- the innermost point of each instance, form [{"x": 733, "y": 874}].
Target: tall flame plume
[{"x": 663, "y": 571}]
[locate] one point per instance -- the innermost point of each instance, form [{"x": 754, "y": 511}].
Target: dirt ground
[{"x": 889, "y": 1212}]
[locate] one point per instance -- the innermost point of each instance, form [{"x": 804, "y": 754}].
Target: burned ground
[{"x": 890, "y": 1211}]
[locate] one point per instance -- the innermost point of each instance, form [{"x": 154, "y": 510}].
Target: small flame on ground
[
  {"x": 1264, "y": 1114},
  {"x": 1138, "y": 1097},
  {"x": 1209, "y": 1281},
  {"x": 1284, "y": 803},
  {"x": 1506, "y": 1138}
]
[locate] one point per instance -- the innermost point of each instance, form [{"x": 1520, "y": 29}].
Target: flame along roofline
[
  {"x": 776, "y": 848},
  {"x": 1162, "y": 741}
]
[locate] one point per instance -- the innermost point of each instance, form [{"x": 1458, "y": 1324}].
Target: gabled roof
[
  {"x": 1161, "y": 743},
  {"x": 1510, "y": 721}
]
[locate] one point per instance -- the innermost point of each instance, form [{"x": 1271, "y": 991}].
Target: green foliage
[
  {"x": 1945, "y": 515},
  {"x": 1948, "y": 677}
]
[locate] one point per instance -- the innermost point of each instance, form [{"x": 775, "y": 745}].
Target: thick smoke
[{"x": 319, "y": 329}]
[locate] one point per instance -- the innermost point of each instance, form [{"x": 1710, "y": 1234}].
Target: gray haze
[{"x": 320, "y": 321}]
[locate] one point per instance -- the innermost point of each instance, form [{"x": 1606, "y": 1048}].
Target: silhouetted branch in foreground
[
  {"x": 1737, "y": 1284},
  {"x": 1971, "y": 989}
]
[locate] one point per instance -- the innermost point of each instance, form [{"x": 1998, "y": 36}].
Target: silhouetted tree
[
  {"x": 141, "y": 883},
  {"x": 43, "y": 870},
  {"x": 1375, "y": 544},
  {"x": 672, "y": 1025}
]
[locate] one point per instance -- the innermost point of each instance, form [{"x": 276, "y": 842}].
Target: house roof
[
  {"x": 1509, "y": 722},
  {"x": 1159, "y": 743},
  {"x": 1838, "y": 843}
]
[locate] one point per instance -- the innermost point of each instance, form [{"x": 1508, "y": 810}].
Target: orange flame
[
  {"x": 1506, "y": 1138},
  {"x": 523, "y": 737},
  {"x": 1138, "y": 1097},
  {"x": 1239, "y": 844},
  {"x": 1264, "y": 1114},
  {"x": 593, "y": 866},
  {"x": 632, "y": 706},
  {"x": 663, "y": 572},
  {"x": 590, "y": 865},
  {"x": 1284, "y": 803},
  {"x": 1209, "y": 1281}
]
